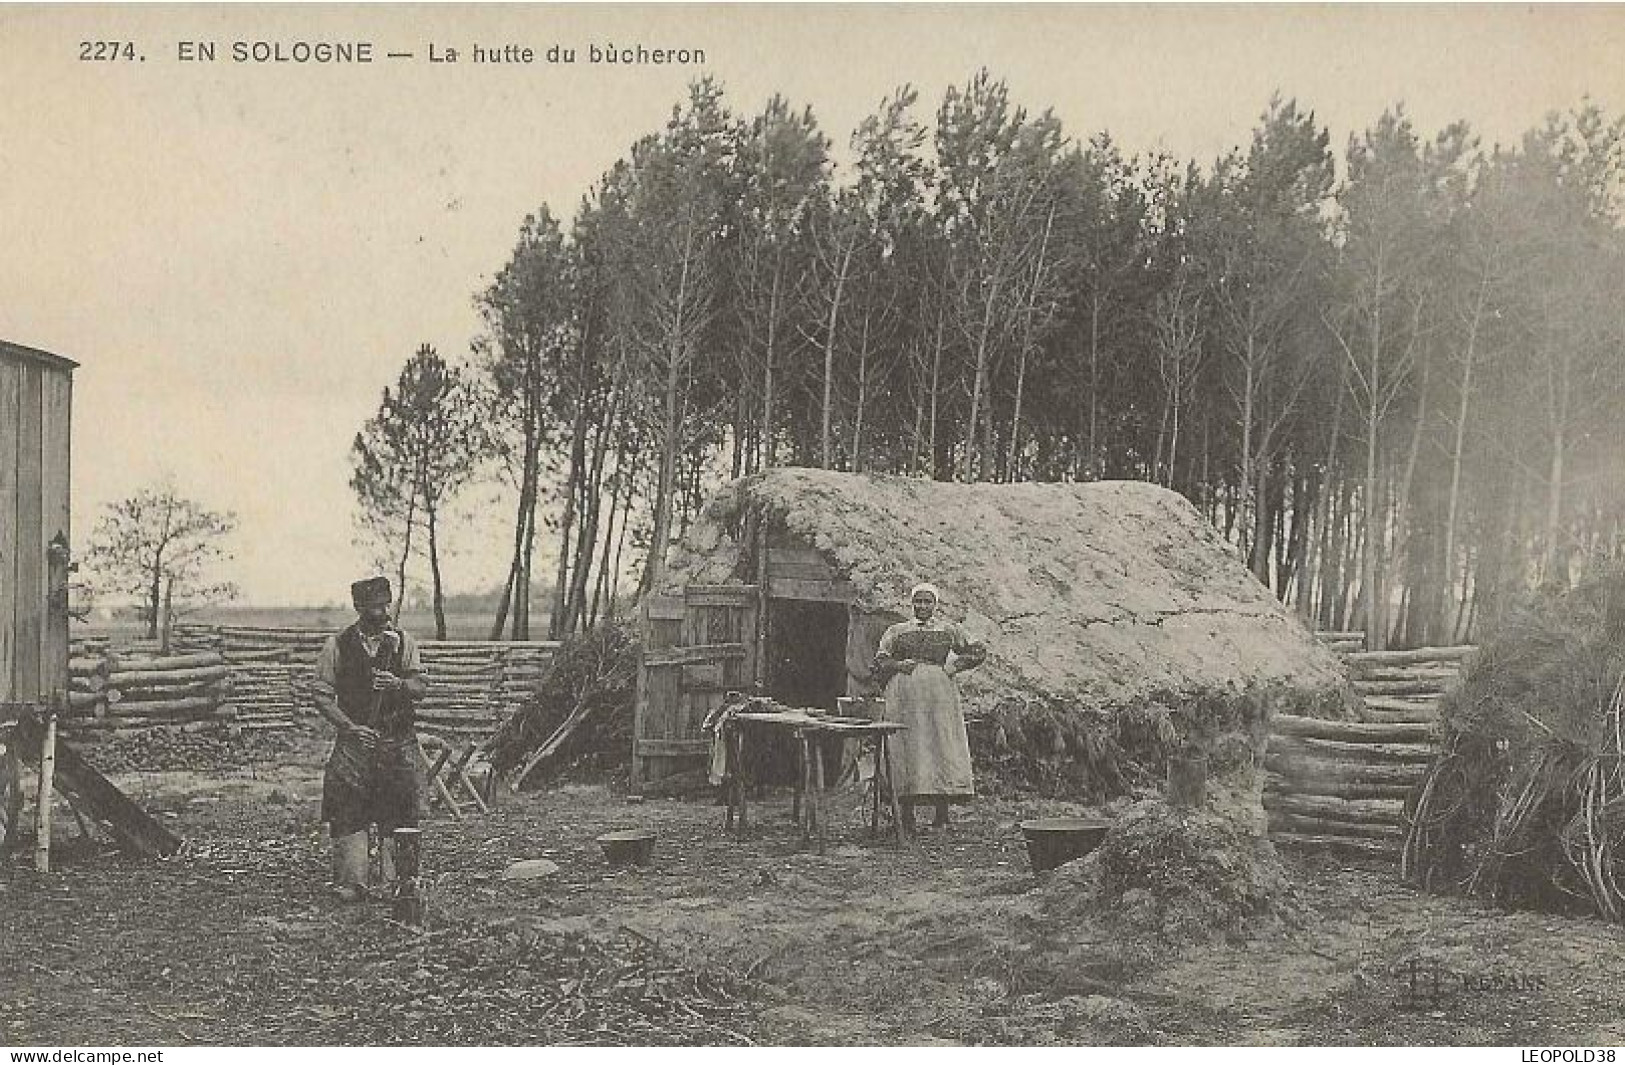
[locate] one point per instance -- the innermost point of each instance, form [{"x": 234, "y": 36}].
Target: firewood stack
[
  {"x": 267, "y": 694},
  {"x": 1340, "y": 642},
  {"x": 474, "y": 686},
  {"x": 1405, "y": 685},
  {"x": 260, "y": 644},
  {"x": 523, "y": 667},
  {"x": 263, "y": 677},
  {"x": 464, "y": 696},
  {"x": 124, "y": 691},
  {"x": 1341, "y": 785}
]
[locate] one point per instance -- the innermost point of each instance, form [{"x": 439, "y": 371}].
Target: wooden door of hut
[{"x": 698, "y": 646}]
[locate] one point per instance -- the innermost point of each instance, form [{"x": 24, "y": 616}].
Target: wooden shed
[
  {"x": 36, "y": 404},
  {"x": 36, "y": 394},
  {"x": 1094, "y": 597}
]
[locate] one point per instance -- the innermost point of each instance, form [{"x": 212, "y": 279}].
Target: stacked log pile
[
  {"x": 464, "y": 684},
  {"x": 1401, "y": 686},
  {"x": 264, "y": 676},
  {"x": 1341, "y": 642},
  {"x": 242, "y": 644},
  {"x": 1341, "y": 785},
  {"x": 266, "y": 664},
  {"x": 267, "y": 694},
  {"x": 523, "y": 666},
  {"x": 123, "y": 692},
  {"x": 474, "y": 686}
]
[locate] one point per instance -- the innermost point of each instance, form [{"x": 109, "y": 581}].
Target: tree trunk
[
  {"x": 167, "y": 631},
  {"x": 628, "y": 494},
  {"x": 1262, "y": 524},
  {"x": 1094, "y": 383},
  {"x": 855, "y": 464},
  {"x": 1458, "y": 448},
  {"x": 557, "y": 622},
  {"x": 591, "y": 509},
  {"x": 831, "y": 327},
  {"x": 1248, "y": 473},
  {"x": 666, "y": 483},
  {"x": 1554, "y": 568},
  {"x": 600, "y": 591},
  {"x": 936, "y": 386},
  {"x": 770, "y": 357},
  {"x": 434, "y": 572},
  {"x": 1375, "y": 636},
  {"x": 522, "y": 584},
  {"x": 155, "y": 593},
  {"x": 406, "y": 554},
  {"x": 501, "y": 618},
  {"x": 971, "y": 461}
]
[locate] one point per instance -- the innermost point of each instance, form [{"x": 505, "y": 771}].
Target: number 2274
[{"x": 106, "y": 51}]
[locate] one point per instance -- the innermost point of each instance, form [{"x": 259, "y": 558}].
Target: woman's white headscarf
[{"x": 928, "y": 589}]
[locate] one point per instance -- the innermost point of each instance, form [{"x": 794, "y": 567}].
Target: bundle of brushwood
[
  {"x": 582, "y": 704},
  {"x": 1342, "y": 785},
  {"x": 1525, "y": 803}
]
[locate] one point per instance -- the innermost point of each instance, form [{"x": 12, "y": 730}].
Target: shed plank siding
[
  {"x": 797, "y": 564},
  {"x": 664, "y": 682},
  {"x": 56, "y": 464},
  {"x": 30, "y": 548},
  {"x": 817, "y": 591},
  {"x": 11, "y": 376}
]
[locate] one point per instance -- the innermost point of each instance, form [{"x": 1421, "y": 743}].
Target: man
[{"x": 368, "y": 680}]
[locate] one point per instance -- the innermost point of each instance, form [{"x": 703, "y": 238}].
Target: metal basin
[{"x": 632, "y": 846}]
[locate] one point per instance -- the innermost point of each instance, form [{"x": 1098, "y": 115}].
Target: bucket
[
  {"x": 632, "y": 846},
  {"x": 1053, "y": 841}
]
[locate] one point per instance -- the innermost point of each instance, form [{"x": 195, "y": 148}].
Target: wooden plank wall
[
  {"x": 25, "y": 675},
  {"x": 56, "y": 404},
  {"x": 35, "y": 401},
  {"x": 11, "y": 380}
]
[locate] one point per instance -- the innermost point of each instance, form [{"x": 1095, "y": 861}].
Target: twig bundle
[{"x": 1525, "y": 803}]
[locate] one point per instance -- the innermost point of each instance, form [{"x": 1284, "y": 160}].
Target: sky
[{"x": 242, "y": 255}]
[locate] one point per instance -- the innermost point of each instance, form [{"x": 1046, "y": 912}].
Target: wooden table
[{"x": 807, "y": 730}]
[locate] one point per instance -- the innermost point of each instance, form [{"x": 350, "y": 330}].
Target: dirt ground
[{"x": 236, "y": 942}]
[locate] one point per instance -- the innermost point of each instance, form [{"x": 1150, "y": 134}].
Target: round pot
[
  {"x": 1053, "y": 841},
  {"x": 632, "y": 846}
]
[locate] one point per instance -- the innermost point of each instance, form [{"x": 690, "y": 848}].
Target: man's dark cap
[{"x": 374, "y": 591}]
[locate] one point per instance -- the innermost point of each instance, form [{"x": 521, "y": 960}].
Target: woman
[{"x": 929, "y": 762}]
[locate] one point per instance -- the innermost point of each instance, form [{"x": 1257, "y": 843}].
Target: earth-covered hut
[{"x": 1118, "y": 624}]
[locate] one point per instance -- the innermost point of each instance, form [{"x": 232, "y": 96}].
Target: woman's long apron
[{"x": 931, "y": 758}]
